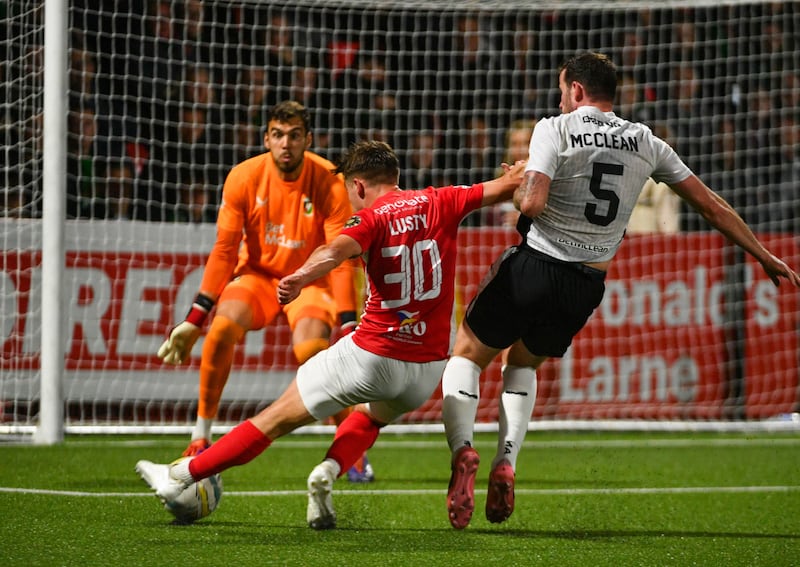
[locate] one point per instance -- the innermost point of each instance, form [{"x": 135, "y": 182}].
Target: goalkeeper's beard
[{"x": 292, "y": 167}]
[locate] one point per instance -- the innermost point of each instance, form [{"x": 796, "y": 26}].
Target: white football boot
[
  {"x": 158, "y": 477},
  {"x": 320, "y": 514}
]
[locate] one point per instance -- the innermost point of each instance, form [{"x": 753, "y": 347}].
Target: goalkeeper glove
[{"x": 178, "y": 346}]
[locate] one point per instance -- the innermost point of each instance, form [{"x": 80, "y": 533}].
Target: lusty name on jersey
[{"x": 408, "y": 223}]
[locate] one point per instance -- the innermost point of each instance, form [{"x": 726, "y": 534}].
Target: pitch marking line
[
  {"x": 428, "y": 492},
  {"x": 528, "y": 444}
]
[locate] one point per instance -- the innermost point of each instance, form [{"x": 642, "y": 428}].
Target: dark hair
[
  {"x": 595, "y": 71},
  {"x": 375, "y": 161},
  {"x": 288, "y": 110}
]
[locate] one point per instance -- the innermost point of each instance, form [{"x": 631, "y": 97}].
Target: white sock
[
  {"x": 202, "y": 428},
  {"x": 460, "y": 397},
  {"x": 334, "y": 467},
  {"x": 180, "y": 472},
  {"x": 516, "y": 407}
]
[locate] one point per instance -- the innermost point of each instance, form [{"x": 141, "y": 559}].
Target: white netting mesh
[{"x": 165, "y": 96}]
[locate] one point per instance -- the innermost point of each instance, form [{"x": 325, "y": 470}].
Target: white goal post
[{"x": 121, "y": 119}]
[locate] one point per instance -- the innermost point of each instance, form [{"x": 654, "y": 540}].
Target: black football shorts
[{"x": 531, "y": 296}]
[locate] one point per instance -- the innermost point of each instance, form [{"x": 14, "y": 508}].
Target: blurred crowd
[{"x": 165, "y": 96}]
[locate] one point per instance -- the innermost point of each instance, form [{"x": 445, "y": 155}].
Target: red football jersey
[{"x": 409, "y": 244}]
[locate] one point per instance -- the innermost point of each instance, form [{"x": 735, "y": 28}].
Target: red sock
[
  {"x": 240, "y": 445},
  {"x": 354, "y": 435}
]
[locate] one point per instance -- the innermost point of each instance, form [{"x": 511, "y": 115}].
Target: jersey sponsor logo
[
  {"x": 308, "y": 207},
  {"x": 402, "y": 204},
  {"x": 598, "y": 122},
  {"x": 407, "y": 318},
  {"x": 582, "y": 246},
  {"x": 409, "y": 326},
  {"x": 352, "y": 221},
  {"x": 283, "y": 242},
  {"x": 274, "y": 236},
  {"x": 260, "y": 202}
]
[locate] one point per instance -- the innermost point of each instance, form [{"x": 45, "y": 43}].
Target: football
[{"x": 197, "y": 501}]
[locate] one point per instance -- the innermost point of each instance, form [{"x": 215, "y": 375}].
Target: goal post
[
  {"x": 51, "y": 420},
  {"x": 163, "y": 97}
]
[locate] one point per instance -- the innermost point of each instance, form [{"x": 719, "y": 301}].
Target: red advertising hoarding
[{"x": 658, "y": 347}]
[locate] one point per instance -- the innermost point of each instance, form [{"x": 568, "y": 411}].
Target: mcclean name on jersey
[{"x": 604, "y": 140}]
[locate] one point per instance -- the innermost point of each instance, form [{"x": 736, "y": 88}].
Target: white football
[{"x": 197, "y": 501}]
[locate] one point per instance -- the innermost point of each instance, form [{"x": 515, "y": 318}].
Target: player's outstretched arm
[
  {"x": 531, "y": 196},
  {"x": 502, "y": 188},
  {"x": 322, "y": 260},
  {"x": 719, "y": 214}
]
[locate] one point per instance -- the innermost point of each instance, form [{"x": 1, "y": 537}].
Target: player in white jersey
[
  {"x": 598, "y": 163},
  {"x": 584, "y": 174},
  {"x": 394, "y": 359}
]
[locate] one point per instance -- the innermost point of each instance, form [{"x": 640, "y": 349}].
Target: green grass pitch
[{"x": 583, "y": 499}]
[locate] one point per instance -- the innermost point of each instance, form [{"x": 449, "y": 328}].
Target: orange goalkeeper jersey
[{"x": 270, "y": 226}]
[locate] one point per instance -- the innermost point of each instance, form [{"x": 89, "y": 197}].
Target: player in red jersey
[
  {"x": 277, "y": 208},
  {"x": 394, "y": 359}
]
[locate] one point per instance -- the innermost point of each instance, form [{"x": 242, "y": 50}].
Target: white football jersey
[{"x": 598, "y": 164}]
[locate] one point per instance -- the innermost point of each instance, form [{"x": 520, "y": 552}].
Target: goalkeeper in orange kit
[{"x": 276, "y": 209}]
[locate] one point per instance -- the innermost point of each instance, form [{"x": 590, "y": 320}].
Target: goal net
[{"x": 165, "y": 96}]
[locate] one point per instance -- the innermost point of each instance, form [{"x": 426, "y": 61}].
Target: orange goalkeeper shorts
[{"x": 261, "y": 293}]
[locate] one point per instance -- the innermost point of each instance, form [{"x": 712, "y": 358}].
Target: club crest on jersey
[
  {"x": 352, "y": 221},
  {"x": 308, "y": 207}
]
